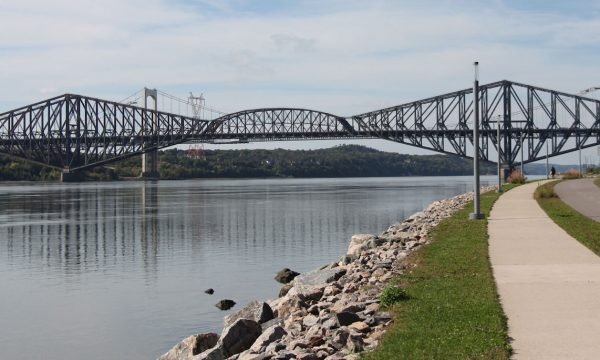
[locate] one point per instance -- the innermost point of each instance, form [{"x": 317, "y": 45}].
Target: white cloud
[
  {"x": 285, "y": 42},
  {"x": 344, "y": 57}
]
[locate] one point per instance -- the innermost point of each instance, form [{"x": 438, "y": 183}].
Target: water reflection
[
  {"x": 81, "y": 228},
  {"x": 127, "y": 263}
]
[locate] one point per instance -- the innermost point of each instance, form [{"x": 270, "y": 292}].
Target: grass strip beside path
[
  {"x": 453, "y": 310},
  {"x": 580, "y": 227},
  {"x": 597, "y": 182}
]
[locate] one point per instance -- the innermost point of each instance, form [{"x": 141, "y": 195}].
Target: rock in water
[
  {"x": 209, "y": 291},
  {"x": 225, "y": 304},
  {"x": 286, "y": 275}
]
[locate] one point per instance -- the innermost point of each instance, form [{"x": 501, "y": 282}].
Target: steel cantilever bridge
[{"x": 73, "y": 132}]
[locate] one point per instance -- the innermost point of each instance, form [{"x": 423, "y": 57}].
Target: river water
[{"x": 118, "y": 270}]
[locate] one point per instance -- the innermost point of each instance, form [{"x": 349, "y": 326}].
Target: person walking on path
[{"x": 553, "y": 172}]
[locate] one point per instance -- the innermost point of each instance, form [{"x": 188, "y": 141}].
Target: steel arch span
[
  {"x": 277, "y": 124},
  {"x": 73, "y": 132}
]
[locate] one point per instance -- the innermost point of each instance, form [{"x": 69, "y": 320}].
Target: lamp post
[
  {"x": 476, "y": 211},
  {"x": 522, "y": 149},
  {"x": 547, "y": 165},
  {"x": 580, "y": 168},
  {"x": 499, "y": 156}
]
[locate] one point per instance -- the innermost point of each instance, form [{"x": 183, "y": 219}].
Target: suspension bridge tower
[{"x": 150, "y": 137}]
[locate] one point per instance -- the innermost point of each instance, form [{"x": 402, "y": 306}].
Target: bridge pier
[
  {"x": 150, "y": 165},
  {"x": 506, "y": 171},
  {"x": 66, "y": 176}
]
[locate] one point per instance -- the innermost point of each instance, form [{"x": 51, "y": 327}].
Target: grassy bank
[
  {"x": 580, "y": 227},
  {"x": 452, "y": 309},
  {"x": 597, "y": 182}
]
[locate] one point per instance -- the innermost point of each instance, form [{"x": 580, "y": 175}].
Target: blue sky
[{"x": 340, "y": 56}]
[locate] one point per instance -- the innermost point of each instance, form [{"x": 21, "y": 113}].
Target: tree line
[{"x": 339, "y": 161}]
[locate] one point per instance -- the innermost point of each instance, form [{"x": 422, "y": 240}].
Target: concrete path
[
  {"x": 549, "y": 283},
  {"x": 582, "y": 195}
]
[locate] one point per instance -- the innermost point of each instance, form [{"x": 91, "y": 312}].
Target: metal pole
[
  {"x": 580, "y": 173},
  {"x": 547, "y": 168},
  {"x": 498, "y": 146},
  {"x": 476, "y": 211},
  {"x": 522, "y": 149}
]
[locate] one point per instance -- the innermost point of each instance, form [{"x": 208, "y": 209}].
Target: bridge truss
[
  {"x": 530, "y": 117},
  {"x": 73, "y": 132}
]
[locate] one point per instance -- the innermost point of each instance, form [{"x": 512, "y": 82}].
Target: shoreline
[
  {"x": 141, "y": 179},
  {"x": 329, "y": 313}
]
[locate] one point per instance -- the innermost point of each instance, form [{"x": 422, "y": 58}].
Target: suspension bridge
[{"x": 74, "y": 132}]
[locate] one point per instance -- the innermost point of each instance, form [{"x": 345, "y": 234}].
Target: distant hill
[{"x": 339, "y": 161}]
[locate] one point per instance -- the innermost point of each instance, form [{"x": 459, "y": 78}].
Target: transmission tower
[
  {"x": 195, "y": 152},
  {"x": 197, "y": 103}
]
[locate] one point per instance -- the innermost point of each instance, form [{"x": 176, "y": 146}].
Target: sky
[{"x": 340, "y": 56}]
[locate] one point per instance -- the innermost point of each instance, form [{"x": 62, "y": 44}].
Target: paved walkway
[
  {"x": 582, "y": 195},
  {"x": 549, "y": 283}
]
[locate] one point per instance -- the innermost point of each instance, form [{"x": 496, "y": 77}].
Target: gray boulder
[
  {"x": 268, "y": 336},
  {"x": 190, "y": 346},
  {"x": 357, "y": 242},
  {"x": 319, "y": 277},
  {"x": 215, "y": 353},
  {"x": 346, "y": 318},
  {"x": 374, "y": 242},
  {"x": 342, "y": 306},
  {"x": 284, "y": 290},
  {"x": 416, "y": 216},
  {"x": 355, "y": 343},
  {"x": 250, "y": 356},
  {"x": 270, "y": 323},
  {"x": 238, "y": 337},
  {"x": 346, "y": 259},
  {"x": 306, "y": 293},
  {"x": 310, "y": 320},
  {"x": 257, "y": 311}
]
